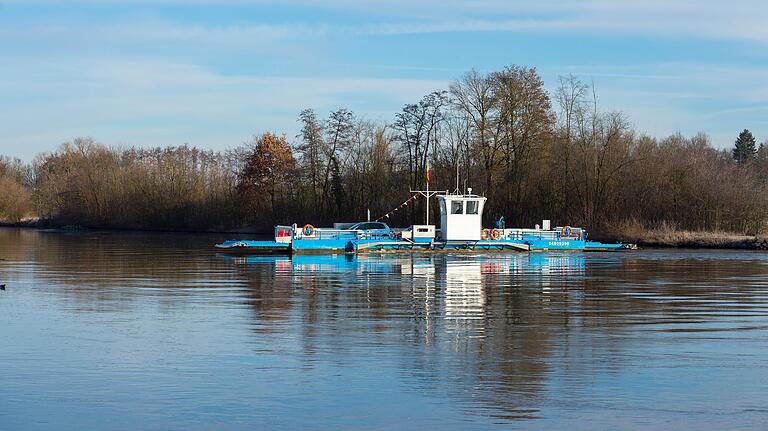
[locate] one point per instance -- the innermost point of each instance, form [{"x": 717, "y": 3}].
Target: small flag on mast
[{"x": 429, "y": 169}]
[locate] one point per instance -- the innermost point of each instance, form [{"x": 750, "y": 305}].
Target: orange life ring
[
  {"x": 566, "y": 232},
  {"x": 308, "y": 230},
  {"x": 495, "y": 234},
  {"x": 485, "y": 234}
]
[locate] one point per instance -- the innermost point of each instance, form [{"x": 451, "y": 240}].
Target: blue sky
[{"x": 213, "y": 73}]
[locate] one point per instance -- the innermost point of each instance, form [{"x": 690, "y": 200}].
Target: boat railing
[
  {"x": 323, "y": 233},
  {"x": 339, "y": 234},
  {"x": 520, "y": 235},
  {"x": 567, "y": 232},
  {"x": 555, "y": 234}
]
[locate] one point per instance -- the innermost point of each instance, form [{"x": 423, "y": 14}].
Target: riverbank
[
  {"x": 671, "y": 237},
  {"x": 33, "y": 222},
  {"x": 38, "y": 223}
]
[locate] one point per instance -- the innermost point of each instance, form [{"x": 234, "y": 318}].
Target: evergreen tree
[
  {"x": 337, "y": 185},
  {"x": 762, "y": 152},
  {"x": 761, "y": 160},
  {"x": 744, "y": 150}
]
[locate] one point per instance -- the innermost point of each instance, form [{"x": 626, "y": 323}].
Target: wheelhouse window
[
  {"x": 472, "y": 207},
  {"x": 457, "y": 207}
]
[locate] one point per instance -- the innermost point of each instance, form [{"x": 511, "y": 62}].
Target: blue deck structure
[
  {"x": 345, "y": 241},
  {"x": 460, "y": 230}
]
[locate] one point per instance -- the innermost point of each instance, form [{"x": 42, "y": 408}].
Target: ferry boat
[{"x": 460, "y": 229}]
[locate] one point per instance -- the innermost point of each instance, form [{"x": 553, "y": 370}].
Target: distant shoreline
[
  {"x": 653, "y": 238},
  {"x": 49, "y": 225},
  {"x": 673, "y": 238}
]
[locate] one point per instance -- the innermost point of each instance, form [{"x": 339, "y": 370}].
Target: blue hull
[
  {"x": 386, "y": 244},
  {"x": 555, "y": 244}
]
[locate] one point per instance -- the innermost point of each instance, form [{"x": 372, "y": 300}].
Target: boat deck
[
  {"x": 368, "y": 244},
  {"x": 251, "y": 246}
]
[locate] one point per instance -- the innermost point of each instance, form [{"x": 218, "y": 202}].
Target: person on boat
[{"x": 500, "y": 223}]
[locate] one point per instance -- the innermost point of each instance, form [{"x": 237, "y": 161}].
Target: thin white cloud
[
  {"x": 153, "y": 102},
  {"x": 712, "y": 19},
  {"x": 160, "y": 103}
]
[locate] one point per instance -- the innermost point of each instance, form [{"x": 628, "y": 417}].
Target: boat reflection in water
[
  {"x": 419, "y": 264},
  {"x": 451, "y": 286},
  {"x": 444, "y": 313},
  {"x": 457, "y": 275}
]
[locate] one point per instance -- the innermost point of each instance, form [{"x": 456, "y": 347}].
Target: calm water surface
[{"x": 153, "y": 331}]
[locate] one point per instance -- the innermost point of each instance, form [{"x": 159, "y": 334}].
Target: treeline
[
  {"x": 534, "y": 154},
  {"x": 16, "y": 182},
  {"x": 182, "y": 188}
]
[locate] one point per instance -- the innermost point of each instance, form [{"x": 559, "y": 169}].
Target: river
[{"x": 127, "y": 331}]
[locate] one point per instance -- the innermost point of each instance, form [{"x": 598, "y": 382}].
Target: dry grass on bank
[{"x": 668, "y": 235}]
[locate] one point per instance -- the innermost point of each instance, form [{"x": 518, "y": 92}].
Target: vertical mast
[
  {"x": 457, "y": 175},
  {"x": 427, "y": 194}
]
